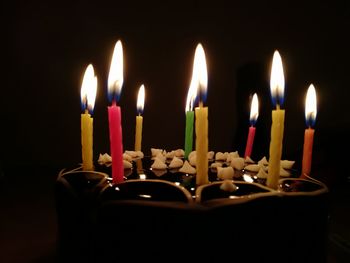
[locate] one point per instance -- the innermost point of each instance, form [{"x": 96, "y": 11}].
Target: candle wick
[
  {"x": 114, "y": 103},
  {"x": 201, "y": 104},
  {"x": 277, "y": 107},
  {"x": 86, "y": 111}
]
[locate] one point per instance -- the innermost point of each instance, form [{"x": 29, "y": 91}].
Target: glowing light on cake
[
  {"x": 248, "y": 178},
  {"x": 88, "y": 96},
  {"x": 200, "y": 68},
  {"x": 115, "y": 83},
  {"x": 139, "y": 119},
  {"x": 277, "y": 127},
  {"x": 310, "y": 118}
]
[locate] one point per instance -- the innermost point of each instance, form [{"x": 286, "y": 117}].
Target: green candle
[
  {"x": 191, "y": 94},
  {"x": 189, "y": 133}
]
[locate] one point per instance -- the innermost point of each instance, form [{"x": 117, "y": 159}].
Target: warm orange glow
[
  {"x": 141, "y": 99},
  {"x": 311, "y": 105},
  {"x": 254, "y": 109},
  {"x": 115, "y": 77},
  {"x": 88, "y": 88},
  {"x": 277, "y": 78},
  {"x": 200, "y": 73}
]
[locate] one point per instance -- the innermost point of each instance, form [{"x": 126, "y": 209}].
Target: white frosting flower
[
  {"x": 228, "y": 186},
  {"x": 225, "y": 172},
  {"x": 219, "y": 156},
  {"x": 187, "y": 168},
  {"x": 263, "y": 161},
  {"x": 127, "y": 157},
  {"x": 283, "y": 172},
  {"x": 179, "y": 153},
  {"x": 211, "y": 155},
  {"x": 133, "y": 154},
  {"x": 155, "y": 151},
  {"x": 253, "y": 167},
  {"x": 139, "y": 154},
  {"x": 261, "y": 174},
  {"x": 237, "y": 163},
  {"x": 176, "y": 163},
  {"x": 161, "y": 157},
  {"x": 170, "y": 155},
  {"x": 193, "y": 160},
  {"x": 191, "y": 154},
  {"x": 104, "y": 159},
  {"x": 286, "y": 164},
  {"x": 158, "y": 164}
]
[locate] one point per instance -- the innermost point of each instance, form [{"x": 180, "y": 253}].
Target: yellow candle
[
  {"x": 277, "y": 128},
  {"x": 200, "y": 78},
  {"x": 310, "y": 117},
  {"x": 202, "y": 145},
  {"x": 88, "y": 95},
  {"x": 139, "y": 118},
  {"x": 86, "y": 141},
  {"x": 138, "y": 133},
  {"x": 275, "y": 147}
]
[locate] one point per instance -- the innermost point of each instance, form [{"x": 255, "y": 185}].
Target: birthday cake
[{"x": 159, "y": 204}]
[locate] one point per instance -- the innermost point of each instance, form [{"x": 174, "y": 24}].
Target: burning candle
[
  {"x": 277, "y": 128},
  {"x": 190, "y": 116},
  {"x": 254, "y": 113},
  {"x": 310, "y": 118},
  {"x": 115, "y": 83},
  {"x": 200, "y": 69},
  {"x": 88, "y": 95},
  {"x": 139, "y": 118}
]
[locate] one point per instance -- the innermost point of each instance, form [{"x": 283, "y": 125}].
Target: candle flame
[
  {"x": 115, "y": 77},
  {"x": 191, "y": 95},
  {"x": 200, "y": 74},
  {"x": 254, "y": 109},
  {"x": 310, "y": 106},
  {"x": 88, "y": 89},
  {"x": 277, "y": 79},
  {"x": 140, "y": 99}
]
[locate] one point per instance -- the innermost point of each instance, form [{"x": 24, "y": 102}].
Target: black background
[{"x": 49, "y": 44}]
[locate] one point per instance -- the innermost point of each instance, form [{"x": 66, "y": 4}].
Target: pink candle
[
  {"x": 116, "y": 145},
  {"x": 250, "y": 141},
  {"x": 254, "y": 113},
  {"x": 115, "y": 82}
]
